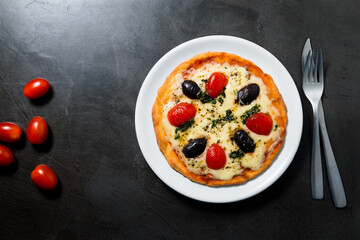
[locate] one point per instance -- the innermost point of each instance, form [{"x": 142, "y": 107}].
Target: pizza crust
[{"x": 164, "y": 95}]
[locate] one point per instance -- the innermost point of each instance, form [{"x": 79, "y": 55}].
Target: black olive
[
  {"x": 195, "y": 148},
  {"x": 244, "y": 142},
  {"x": 248, "y": 94},
  {"x": 191, "y": 89}
]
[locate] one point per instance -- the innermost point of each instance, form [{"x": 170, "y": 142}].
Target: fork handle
[
  {"x": 317, "y": 188},
  {"x": 335, "y": 183}
]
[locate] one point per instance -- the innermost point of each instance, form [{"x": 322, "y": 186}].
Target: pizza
[{"x": 219, "y": 119}]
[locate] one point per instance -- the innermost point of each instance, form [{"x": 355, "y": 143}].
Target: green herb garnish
[
  {"x": 183, "y": 127},
  {"x": 223, "y": 92},
  {"x": 221, "y": 100},
  {"x": 236, "y": 154},
  {"x": 215, "y": 122},
  {"x": 229, "y": 116},
  {"x": 205, "y": 98}
]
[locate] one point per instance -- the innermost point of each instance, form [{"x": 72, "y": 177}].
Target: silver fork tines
[{"x": 313, "y": 86}]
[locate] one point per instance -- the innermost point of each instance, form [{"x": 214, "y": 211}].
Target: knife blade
[
  {"x": 305, "y": 52},
  {"x": 335, "y": 182}
]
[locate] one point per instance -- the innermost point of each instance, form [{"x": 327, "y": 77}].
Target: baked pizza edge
[{"x": 164, "y": 94}]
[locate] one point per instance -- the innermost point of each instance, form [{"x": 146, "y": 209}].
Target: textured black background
[{"x": 96, "y": 54}]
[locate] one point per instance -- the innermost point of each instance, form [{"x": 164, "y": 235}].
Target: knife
[{"x": 335, "y": 183}]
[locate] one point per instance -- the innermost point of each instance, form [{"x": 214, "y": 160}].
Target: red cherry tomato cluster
[
  {"x": 260, "y": 123},
  {"x": 216, "y": 84},
  {"x": 181, "y": 113},
  {"x": 36, "y": 133}
]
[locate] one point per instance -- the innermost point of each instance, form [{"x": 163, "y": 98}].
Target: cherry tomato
[
  {"x": 36, "y": 88},
  {"x": 215, "y": 157},
  {"x": 6, "y": 156},
  {"x": 37, "y": 131},
  {"x": 181, "y": 113},
  {"x": 260, "y": 123},
  {"x": 44, "y": 177},
  {"x": 216, "y": 84},
  {"x": 9, "y": 132}
]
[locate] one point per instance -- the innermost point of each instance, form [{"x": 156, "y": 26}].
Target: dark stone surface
[{"x": 96, "y": 54}]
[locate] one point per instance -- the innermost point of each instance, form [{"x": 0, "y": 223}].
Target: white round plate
[{"x": 146, "y": 135}]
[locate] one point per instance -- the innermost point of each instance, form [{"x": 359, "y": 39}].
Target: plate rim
[{"x": 275, "y": 176}]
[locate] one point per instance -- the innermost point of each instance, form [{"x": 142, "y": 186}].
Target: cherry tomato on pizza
[
  {"x": 44, "y": 177},
  {"x": 9, "y": 132},
  {"x": 260, "y": 123},
  {"x": 6, "y": 156},
  {"x": 36, "y": 88},
  {"x": 181, "y": 113},
  {"x": 37, "y": 130},
  {"x": 216, "y": 84},
  {"x": 215, "y": 157}
]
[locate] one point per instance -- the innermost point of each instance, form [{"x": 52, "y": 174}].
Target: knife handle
[{"x": 335, "y": 183}]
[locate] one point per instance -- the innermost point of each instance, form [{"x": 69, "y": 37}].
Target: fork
[{"x": 313, "y": 86}]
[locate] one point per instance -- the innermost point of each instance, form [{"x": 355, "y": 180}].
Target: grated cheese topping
[{"x": 222, "y": 131}]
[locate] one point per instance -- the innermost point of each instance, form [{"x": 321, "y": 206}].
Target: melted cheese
[{"x": 238, "y": 78}]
